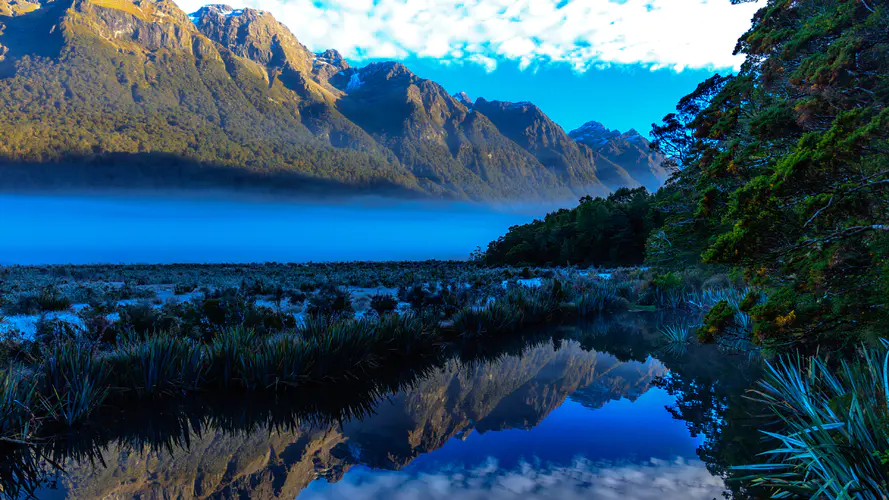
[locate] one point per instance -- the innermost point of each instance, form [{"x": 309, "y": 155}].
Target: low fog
[{"x": 185, "y": 227}]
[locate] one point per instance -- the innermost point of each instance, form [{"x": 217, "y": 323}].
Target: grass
[
  {"x": 123, "y": 5},
  {"x": 17, "y": 390},
  {"x": 678, "y": 333},
  {"x": 222, "y": 339},
  {"x": 73, "y": 381},
  {"x": 834, "y": 437}
]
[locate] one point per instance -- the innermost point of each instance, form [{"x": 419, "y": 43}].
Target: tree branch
[{"x": 818, "y": 212}]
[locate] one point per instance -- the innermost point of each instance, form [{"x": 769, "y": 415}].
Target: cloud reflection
[{"x": 584, "y": 479}]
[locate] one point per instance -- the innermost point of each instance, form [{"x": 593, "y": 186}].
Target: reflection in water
[
  {"x": 555, "y": 419},
  {"x": 582, "y": 479}
]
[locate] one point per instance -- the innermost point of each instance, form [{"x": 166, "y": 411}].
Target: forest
[
  {"x": 781, "y": 171},
  {"x": 606, "y": 232}
]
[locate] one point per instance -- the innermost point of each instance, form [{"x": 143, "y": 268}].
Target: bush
[
  {"x": 50, "y": 330},
  {"x": 718, "y": 320},
  {"x": 383, "y": 304},
  {"x": 330, "y": 301},
  {"x": 48, "y": 299},
  {"x": 143, "y": 320}
]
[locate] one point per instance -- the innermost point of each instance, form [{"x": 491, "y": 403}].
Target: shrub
[
  {"x": 383, "y": 303},
  {"x": 497, "y": 318},
  {"x": 330, "y": 301},
  {"x": 48, "y": 299},
  {"x": 718, "y": 319},
  {"x": 143, "y": 319},
  {"x": 49, "y": 330}
]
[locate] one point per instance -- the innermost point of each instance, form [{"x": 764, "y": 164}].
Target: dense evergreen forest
[
  {"x": 600, "y": 231},
  {"x": 781, "y": 171}
]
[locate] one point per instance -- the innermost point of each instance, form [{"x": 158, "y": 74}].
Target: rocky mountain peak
[
  {"x": 327, "y": 64},
  {"x": 593, "y": 134},
  {"x": 374, "y": 76},
  {"x": 255, "y": 35},
  {"x": 463, "y": 98},
  {"x": 505, "y": 106}
]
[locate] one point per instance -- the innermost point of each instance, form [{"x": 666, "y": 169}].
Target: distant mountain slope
[
  {"x": 630, "y": 151},
  {"x": 140, "y": 94}
]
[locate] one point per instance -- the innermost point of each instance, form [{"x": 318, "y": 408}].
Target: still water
[
  {"x": 154, "y": 230},
  {"x": 595, "y": 411}
]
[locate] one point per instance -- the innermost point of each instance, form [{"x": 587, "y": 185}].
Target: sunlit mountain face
[
  {"x": 540, "y": 419},
  {"x": 145, "y": 96}
]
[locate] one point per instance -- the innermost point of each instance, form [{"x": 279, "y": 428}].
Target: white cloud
[
  {"x": 676, "y": 34},
  {"x": 584, "y": 479}
]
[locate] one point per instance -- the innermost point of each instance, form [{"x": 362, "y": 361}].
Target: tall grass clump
[
  {"x": 600, "y": 299},
  {"x": 74, "y": 382},
  {"x": 497, "y": 318},
  {"x": 405, "y": 336},
  {"x": 227, "y": 352},
  {"x": 160, "y": 364},
  {"x": 283, "y": 361},
  {"x": 17, "y": 396},
  {"x": 678, "y": 333},
  {"x": 345, "y": 352},
  {"x": 834, "y": 441}
]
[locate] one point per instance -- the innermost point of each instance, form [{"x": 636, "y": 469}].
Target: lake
[
  {"x": 55, "y": 229},
  {"x": 598, "y": 410}
]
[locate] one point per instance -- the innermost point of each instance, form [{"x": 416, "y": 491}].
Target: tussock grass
[
  {"x": 74, "y": 382},
  {"x": 834, "y": 441}
]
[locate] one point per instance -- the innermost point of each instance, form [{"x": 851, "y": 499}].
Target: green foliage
[
  {"x": 383, "y": 303},
  {"x": 836, "y": 427},
  {"x": 17, "y": 393},
  {"x": 718, "y": 319},
  {"x": 330, "y": 301},
  {"x": 47, "y": 299},
  {"x": 601, "y": 231},
  {"x": 785, "y": 170},
  {"x": 159, "y": 364},
  {"x": 74, "y": 382}
]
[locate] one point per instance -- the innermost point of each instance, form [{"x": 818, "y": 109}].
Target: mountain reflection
[{"x": 261, "y": 448}]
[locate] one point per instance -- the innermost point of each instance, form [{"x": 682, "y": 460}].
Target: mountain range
[
  {"x": 452, "y": 402},
  {"x": 137, "y": 93}
]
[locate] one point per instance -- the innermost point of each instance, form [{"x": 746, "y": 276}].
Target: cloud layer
[
  {"x": 676, "y": 34},
  {"x": 584, "y": 479}
]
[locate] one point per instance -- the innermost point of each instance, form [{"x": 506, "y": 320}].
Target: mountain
[
  {"x": 136, "y": 93},
  {"x": 630, "y": 150}
]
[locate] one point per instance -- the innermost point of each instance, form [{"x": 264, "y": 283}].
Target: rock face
[
  {"x": 514, "y": 392},
  {"x": 142, "y": 93}
]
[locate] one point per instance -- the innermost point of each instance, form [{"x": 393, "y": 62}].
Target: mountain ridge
[{"x": 87, "y": 81}]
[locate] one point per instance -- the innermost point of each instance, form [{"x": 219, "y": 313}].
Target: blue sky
[
  {"x": 624, "y": 63},
  {"x": 620, "y": 97}
]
